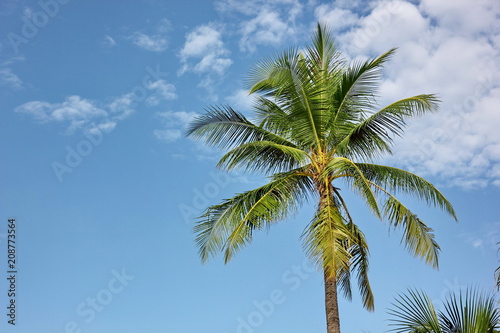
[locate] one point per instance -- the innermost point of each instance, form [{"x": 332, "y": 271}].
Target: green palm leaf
[
  {"x": 229, "y": 226},
  {"x": 374, "y": 135},
  {"x": 398, "y": 180},
  {"x": 265, "y": 156},
  {"x": 414, "y": 313}
]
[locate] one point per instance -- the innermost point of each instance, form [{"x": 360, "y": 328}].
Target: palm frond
[
  {"x": 414, "y": 313},
  {"x": 288, "y": 82},
  {"x": 417, "y": 236},
  {"x": 470, "y": 311},
  {"x": 374, "y": 135},
  {"x": 350, "y": 172},
  {"x": 324, "y": 240},
  {"x": 355, "y": 94},
  {"x": 323, "y": 56},
  {"x": 227, "y": 227},
  {"x": 398, "y": 180},
  {"x": 360, "y": 254},
  {"x": 264, "y": 156},
  {"x": 223, "y": 127},
  {"x": 270, "y": 75}
]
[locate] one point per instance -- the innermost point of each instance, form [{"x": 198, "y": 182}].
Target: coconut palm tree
[
  {"x": 316, "y": 130},
  {"x": 466, "y": 312}
]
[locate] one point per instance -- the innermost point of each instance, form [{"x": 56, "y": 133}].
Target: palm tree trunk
[{"x": 331, "y": 305}]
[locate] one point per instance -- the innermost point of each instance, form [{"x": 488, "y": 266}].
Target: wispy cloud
[
  {"x": 108, "y": 41},
  {"x": 485, "y": 238},
  {"x": 156, "y": 42},
  {"x": 161, "y": 91},
  {"x": 175, "y": 123},
  {"x": 9, "y": 79},
  {"x": 77, "y": 113}
]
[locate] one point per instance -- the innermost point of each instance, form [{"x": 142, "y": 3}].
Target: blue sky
[{"x": 95, "y": 98}]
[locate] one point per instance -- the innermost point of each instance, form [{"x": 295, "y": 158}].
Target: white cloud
[
  {"x": 156, "y": 42},
  {"x": 204, "y": 45},
  {"x": 9, "y": 79},
  {"x": 484, "y": 238},
  {"x": 108, "y": 41},
  {"x": 167, "y": 135},
  {"x": 271, "y": 22},
  {"x": 240, "y": 100},
  {"x": 121, "y": 107},
  {"x": 251, "y": 7},
  {"x": 337, "y": 18},
  {"x": 386, "y": 26},
  {"x": 106, "y": 127},
  {"x": 444, "y": 47},
  {"x": 267, "y": 28},
  {"x": 176, "y": 118},
  {"x": 76, "y": 113},
  {"x": 162, "y": 91},
  {"x": 175, "y": 123},
  {"x": 164, "y": 26},
  {"x": 475, "y": 17}
]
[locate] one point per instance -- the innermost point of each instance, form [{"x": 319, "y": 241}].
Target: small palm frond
[
  {"x": 360, "y": 254},
  {"x": 355, "y": 95},
  {"x": 269, "y": 76},
  {"x": 414, "y": 313},
  {"x": 398, "y": 180},
  {"x": 273, "y": 118},
  {"x": 471, "y": 311},
  {"x": 374, "y": 135},
  {"x": 352, "y": 175},
  {"x": 418, "y": 237},
  {"x": 324, "y": 240},
  {"x": 265, "y": 156},
  {"x": 323, "y": 57},
  {"x": 359, "y": 264},
  {"x": 359, "y": 83},
  {"x": 224, "y": 128}
]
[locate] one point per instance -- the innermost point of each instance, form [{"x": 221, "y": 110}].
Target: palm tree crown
[{"x": 317, "y": 128}]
